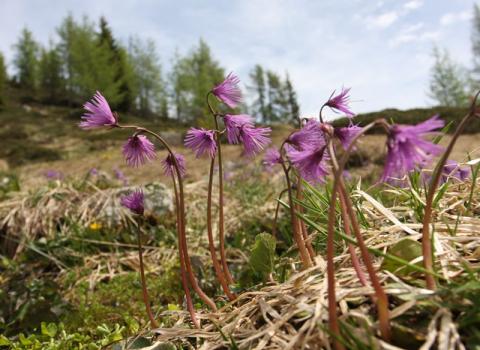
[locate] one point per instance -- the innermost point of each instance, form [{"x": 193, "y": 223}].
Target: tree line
[
  {"x": 87, "y": 57},
  {"x": 452, "y": 84}
]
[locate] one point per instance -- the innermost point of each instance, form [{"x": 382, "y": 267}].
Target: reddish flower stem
[
  {"x": 146, "y": 299},
  {"x": 304, "y": 255},
  {"x": 382, "y": 299},
  {"x": 188, "y": 265},
  {"x": 302, "y": 226},
  {"x": 217, "y": 267},
  {"x": 221, "y": 217},
  {"x": 186, "y": 290},
  {"x": 332, "y": 300},
  {"x": 183, "y": 248},
  {"x": 351, "y": 248},
  {"x": 427, "y": 250},
  {"x": 221, "y": 224},
  {"x": 277, "y": 209}
]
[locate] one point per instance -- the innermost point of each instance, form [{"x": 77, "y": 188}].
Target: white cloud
[
  {"x": 454, "y": 17},
  {"x": 413, "y": 33},
  {"x": 413, "y": 5},
  {"x": 384, "y": 20}
]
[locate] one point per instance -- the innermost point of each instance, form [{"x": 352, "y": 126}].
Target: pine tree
[
  {"x": 26, "y": 62},
  {"x": 52, "y": 82},
  {"x": 3, "y": 79},
  {"x": 447, "y": 83},
  {"x": 257, "y": 77},
  {"x": 277, "y": 107},
  {"x": 192, "y": 77},
  {"x": 87, "y": 65},
  {"x": 119, "y": 60},
  {"x": 149, "y": 86},
  {"x": 293, "y": 107},
  {"x": 475, "y": 38}
]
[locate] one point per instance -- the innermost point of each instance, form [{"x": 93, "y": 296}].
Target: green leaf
[
  {"x": 140, "y": 343},
  {"x": 405, "y": 249},
  {"x": 262, "y": 257},
  {"x": 49, "y": 329},
  {"x": 4, "y": 340}
]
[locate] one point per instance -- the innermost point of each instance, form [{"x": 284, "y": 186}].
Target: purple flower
[
  {"x": 138, "y": 150},
  {"x": 134, "y": 202},
  {"x": 272, "y": 157},
  {"x": 233, "y": 124},
  {"x": 98, "y": 113},
  {"x": 346, "y": 134},
  {"x": 169, "y": 165},
  {"x": 310, "y": 163},
  {"x": 253, "y": 139},
  {"x": 408, "y": 150},
  {"x": 119, "y": 175},
  {"x": 340, "y": 102},
  {"x": 53, "y": 175},
  {"x": 453, "y": 170},
  {"x": 201, "y": 141},
  {"x": 310, "y": 136},
  {"x": 228, "y": 91}
]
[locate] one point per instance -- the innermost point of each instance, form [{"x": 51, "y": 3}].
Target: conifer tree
[
  {"x": 52, "y": 82},
  {"x": 87, "y": 64},
  {"x": 26, "y": 62},
  {"x": 149, "y": 85},
  {"x": 475, "y": 38},
  {"x": 293, "y": 107},
  {"x": 119, "y": 60},
  {"x": 3, "y": 79},
  {"x": 257, "y": 77},
  {"x": 192, "y": 77},
  {"x": 447, "y": 83}
]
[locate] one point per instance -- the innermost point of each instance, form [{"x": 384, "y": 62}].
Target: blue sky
[{"x": 382, "y": 49}]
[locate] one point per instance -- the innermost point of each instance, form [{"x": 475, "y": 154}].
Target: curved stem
[
  {"x": 301, "y": 223},
  {"x": 320, "y": 117},
  {"x": 146, "y": 300},
  {"x": 332, "y": 301},
  {"x": 382, "y": 299},
  {"x": 183, "y": 247},
  {"x": 183, "y": 273},
  {"x": 211, "y": 245},
  {"x": 426, "y": 242},
  {"x": 304, "y": 256},
  {"x": 221, "y": 217},
  {"x": 221, "y": 223},
  {"x": 277, "y": 209},
  {"x": 351, "y": 248}
]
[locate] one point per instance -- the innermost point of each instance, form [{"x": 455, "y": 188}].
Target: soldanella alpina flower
[
  {"x": 272, "y": 157},
  {"x": 169, "y": 164},
  {"x": 311, "y": 163},
  {"x": 407, "y": 148},
  {"x": 138, "y": 150},
  {"x": 134, "y": 201},
  {"x": 228, "y": 91},
  {"x": 453, "y": 170},
  {"x": 254, "y": 139},
  {"x": 346, "y": 134},
  {"x": 310, "y": 136},
  {"x": 201, "y": 141},
  {"x": 98, "y": 113},
  {"x": 340, "y": 102},
  {"x": 233, "y": 124}
]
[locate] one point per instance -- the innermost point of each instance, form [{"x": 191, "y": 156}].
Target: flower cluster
[
  {"x": 134, "y": 201},
  {"x": 240, "y": 128},
  {"x": 408, "y": 150}
]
